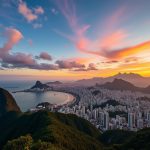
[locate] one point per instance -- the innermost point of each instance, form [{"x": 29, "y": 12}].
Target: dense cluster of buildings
[{"x": 108, "y": 109}]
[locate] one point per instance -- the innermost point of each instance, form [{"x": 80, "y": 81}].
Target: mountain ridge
[
  {"x": 133, "y": 78},
  {"x": 119, "y": 84}
]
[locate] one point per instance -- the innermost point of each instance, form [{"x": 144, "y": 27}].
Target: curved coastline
[{"x": 70, "y": 103}]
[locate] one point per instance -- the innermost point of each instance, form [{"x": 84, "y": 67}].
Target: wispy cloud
[
  {"x": 110, "y": 45},
  {"x": 68, "y": 9}
]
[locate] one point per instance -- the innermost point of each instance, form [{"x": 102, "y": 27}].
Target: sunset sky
[{"x": 73, "y": 39}]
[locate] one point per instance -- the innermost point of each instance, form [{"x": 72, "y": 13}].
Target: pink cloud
[
  {"x": 13, "y": 37},
  {"x": 114, "y": 39},
  {"x": 102, "y": 45},
  {"x": 26, "y": 12},
  {"x": 110, "y": 45},
  {"x": 39, "y": 10},
  {"x": 68, "y": 9},
  {"x": 81, "y": 41},
  {"x": 114, "y": 20}
]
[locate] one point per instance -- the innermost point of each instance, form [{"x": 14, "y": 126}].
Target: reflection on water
[{"x": 27, "y": 100}]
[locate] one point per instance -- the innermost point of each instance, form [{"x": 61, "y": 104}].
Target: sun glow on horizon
[{"x": 69, "y": 40}]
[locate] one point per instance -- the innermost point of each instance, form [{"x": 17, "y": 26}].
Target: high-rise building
[
  {"x": 131, "y": 120},
  {"x": 140, "y": 123},
  {"x": 139, "y": 115},
  {"x": 83, "y": 110},
  {"x": 101, "y": 118},
  {"x": 95, "y": 113},
  {"x": 148, "y": 118},
  {"x": 106, "y": 120},
  {"x": 91, "y": 107}
]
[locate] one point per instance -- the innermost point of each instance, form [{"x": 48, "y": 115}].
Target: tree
[{"x": 21, "y": 143}]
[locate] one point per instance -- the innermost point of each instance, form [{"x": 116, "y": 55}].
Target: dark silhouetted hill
[
  {"x": 119, "y": 84},
  {"x": 7, "y": 102},
  {"x": 40, "y": 85}
]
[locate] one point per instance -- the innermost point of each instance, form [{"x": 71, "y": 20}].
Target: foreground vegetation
[{"x": 44, "y": 128}]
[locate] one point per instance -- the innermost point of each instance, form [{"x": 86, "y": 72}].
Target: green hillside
[
  {"x": 126, "y": 140},
  {"x": 139, "y": 141},
  {"x": 67, "y": 132}
]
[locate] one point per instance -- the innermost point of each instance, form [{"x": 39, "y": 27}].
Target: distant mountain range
[
  {"x": 54, "y": 83},
  {"x": 133, "y": 78},
  {"x": 119, "y": 84}
]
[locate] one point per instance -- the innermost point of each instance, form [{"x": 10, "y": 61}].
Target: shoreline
[{"x": 75, "y": 98}]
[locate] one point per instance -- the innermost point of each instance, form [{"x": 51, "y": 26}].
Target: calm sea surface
[{"x": 27, "y": 100}]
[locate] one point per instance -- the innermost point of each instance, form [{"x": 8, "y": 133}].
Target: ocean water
[{"x": 27, "y": 100}]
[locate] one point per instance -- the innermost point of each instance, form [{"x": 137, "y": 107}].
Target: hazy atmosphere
[{"x": 73, "y": 39}]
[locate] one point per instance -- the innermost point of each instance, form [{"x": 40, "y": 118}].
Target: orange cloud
[{"x": 118, "y": 54}]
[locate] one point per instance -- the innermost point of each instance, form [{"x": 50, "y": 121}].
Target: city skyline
[{"x": 73, "y": 39}]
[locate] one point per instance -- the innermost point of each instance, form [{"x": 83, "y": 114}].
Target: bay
[{"x": 27, "y": 100}]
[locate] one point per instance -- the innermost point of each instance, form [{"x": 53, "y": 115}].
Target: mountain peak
[
  {"x": 40, "y": 85},
  {"x": 119, "y": 84},
  {"x": 127, "y": 75}
]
